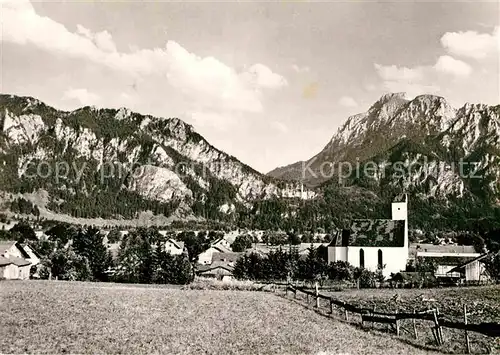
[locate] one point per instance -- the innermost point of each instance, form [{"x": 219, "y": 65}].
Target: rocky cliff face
[
  {"x": 422, "y": 145},
  {"x": 139, "y": 162}
]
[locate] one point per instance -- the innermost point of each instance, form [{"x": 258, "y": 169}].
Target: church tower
[{"x": 400, "y": 213}]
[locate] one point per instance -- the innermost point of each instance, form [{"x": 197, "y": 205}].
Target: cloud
[
  {"x": 394, "y": 73},
  {"x": 206, "y": 81},
  {"x": 450, "y": 65},
  {"x": 298, "y": 69},
  {"x": 413, "y": 81},
  {"x": 83, "y": 96},
  {"x": 471, "y": 43},
  {"x": 102, "y": 40},
  {"x": 348, "y": 101}
]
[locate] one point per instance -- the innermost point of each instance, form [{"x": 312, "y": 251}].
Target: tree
[
  {"x": 138, "y": 256},
  {"x": 341, "y": 271},
  {"x": 172, "y": 269},
  {"x": 22, "y": 231},
  {"x": 88, "y": 243},
  {"x": 65, "y": 264},
  {"x": 241, "y": 243},
  {"x": 249, "y": 267},
  {"x": 307, "y": 238},
  {"x": 61, "y": 233},
  {"x": 194, "y": 245},
  {"x": 293, "y": 238},
  {"x": 364, "y": 277},
  {"x": 314, "y": 267},
  {"x": 492, "y": 265},
  {"x": 5, "y": 235},
  {"x": 114, "y": 236}
]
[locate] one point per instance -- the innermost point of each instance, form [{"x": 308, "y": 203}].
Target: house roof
[
  {"x": 377, "y": 233},
  {"x": 19, "y": 261},
  {"x": 431, "y": 248},
  {"x": 463, "y": 265},
  {"x": 304, "y": 247},
  {"x": 6, "y": 245},
  {"x": 207, "y": 268},
  {"x": 5, "y": 261},
  {"x": 225, "y": 257},
  {"x": 178, "y": 245},
  {"x": 30, "y": 251},
  {"x": 221, "y": 249}
]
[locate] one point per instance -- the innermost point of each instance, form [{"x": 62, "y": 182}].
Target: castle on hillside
[{"x": 375, "y": 243}]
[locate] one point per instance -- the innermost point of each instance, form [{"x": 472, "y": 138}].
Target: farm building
[
  {"x": 14, "y": 261},
  {"x": 375, "y": 243},
  {"x": 219, "y": 272},
  {"x": 446, "y": 257},
  {"x": 473, "y": 270}
]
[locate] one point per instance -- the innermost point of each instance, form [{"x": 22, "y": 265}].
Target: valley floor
[{"x": 78, "y": 317}]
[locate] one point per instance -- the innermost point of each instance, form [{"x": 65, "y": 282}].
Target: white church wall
[
  {"x": 395, "y": 259},
  {"x": 337, "y": 254}
]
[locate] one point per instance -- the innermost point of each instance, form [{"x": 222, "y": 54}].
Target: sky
[{"x": 267, "y": 82}]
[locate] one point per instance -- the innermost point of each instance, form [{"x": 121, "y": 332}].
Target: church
[{"x": 375, "y": 243}]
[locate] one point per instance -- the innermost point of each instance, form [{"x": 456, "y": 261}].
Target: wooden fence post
[
  {"x": 436, "y": 329},
  {"x": 441, "y": 339},
  {"x": 415, "y": 324},
  {"x": 346, "y": 313},
  {"x": 467, "y": 344},
  {"x": 373, "y": 315},
  {"x": 397, "y": 323},
  {"x": 331, "y": 305},
  {"x": 317, "y": 294}
]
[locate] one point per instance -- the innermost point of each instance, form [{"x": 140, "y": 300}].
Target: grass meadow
[{"x": 77, "y": 317}]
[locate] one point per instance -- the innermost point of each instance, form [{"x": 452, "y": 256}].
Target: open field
[
  {"x": 77, "y": 317},
  {"x": 483, "y": 305}
]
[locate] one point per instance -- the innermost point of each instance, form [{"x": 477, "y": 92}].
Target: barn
[{"x": 14, "y": 261}]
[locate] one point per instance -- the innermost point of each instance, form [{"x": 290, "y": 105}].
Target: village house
[
  {"x": 221, "y": 265},
  {"x": 446, "y": 257},
  {"x": 473, "y": 270},
  {"x": 219, "y": 272},
  {"x": 226, "y": 258},
  {"x": 205, "y": 257},
  {"x": 14, "y": 263},
  {"x": 222, "y": 242},
  {"x": 174, "y": 247},
  {"x": 375, "y": 243}
]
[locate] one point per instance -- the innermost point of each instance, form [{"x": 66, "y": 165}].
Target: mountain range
[
  {"x": 116, "y": 164},
  {"x": 445, "y": 152}
]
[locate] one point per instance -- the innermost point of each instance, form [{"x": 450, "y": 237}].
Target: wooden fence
[{"x": 393, "y": 319}]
